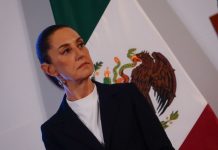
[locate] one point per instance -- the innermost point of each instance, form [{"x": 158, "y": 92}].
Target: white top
[{"x": 88, "y": 111}]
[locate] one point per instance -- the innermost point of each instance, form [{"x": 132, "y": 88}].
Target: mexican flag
[{"x": 118, "y": 29}]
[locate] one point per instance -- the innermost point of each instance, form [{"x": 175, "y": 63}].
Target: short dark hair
[{"x": 42, "y": 43}]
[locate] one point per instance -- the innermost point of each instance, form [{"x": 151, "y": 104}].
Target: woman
[{"x": 93, "y": 115}]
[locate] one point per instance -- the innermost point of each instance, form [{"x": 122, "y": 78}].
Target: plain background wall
[
  {"x": 21, "y": 110},
  {"x": 28, "y": 98},
  {"x": 195, "y": 16}
]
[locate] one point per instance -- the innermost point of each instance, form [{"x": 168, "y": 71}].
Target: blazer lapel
[
  {"x": 108, "y": 98},
  {"x": 73, "y": 127}
]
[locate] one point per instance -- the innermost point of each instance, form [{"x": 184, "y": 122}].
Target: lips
[{"x": 82, "y": 65}]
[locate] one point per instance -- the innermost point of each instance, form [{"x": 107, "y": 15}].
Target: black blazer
[{"x": 128, "y": 123}]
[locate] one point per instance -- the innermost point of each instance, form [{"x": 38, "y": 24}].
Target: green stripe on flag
[{"x": 82, "y": 15}]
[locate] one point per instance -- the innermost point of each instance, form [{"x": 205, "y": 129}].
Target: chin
[{"x": 87, "y": 74}]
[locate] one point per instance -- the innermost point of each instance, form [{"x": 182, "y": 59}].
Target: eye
[
  {"x": 65, "y": 51},
  {"x": 81, "y": 45}
]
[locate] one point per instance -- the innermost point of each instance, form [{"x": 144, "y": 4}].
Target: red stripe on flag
[{"x": 204, "y": 134}]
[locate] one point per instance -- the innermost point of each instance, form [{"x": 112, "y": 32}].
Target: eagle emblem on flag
[{"x": 148, "y": 71}]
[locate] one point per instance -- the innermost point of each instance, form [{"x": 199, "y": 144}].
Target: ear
[{"x": 49, "y": 69}]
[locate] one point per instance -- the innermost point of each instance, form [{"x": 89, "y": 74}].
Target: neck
[{"x": 77, "y": 90}]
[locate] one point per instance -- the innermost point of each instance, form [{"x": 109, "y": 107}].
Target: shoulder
[
  {"x": 119, "y": 86},
  {"x": 52, "y": 121},
  {"x": 126, "y": 90}
]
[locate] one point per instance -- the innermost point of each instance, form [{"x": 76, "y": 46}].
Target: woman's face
[{"x": 69, "y": 56}]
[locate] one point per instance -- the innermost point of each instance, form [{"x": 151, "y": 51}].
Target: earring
[{"x": 61, "y": 81}]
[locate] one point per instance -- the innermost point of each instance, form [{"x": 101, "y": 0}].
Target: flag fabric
[
  {"x": 112, "y": 29},
  {"x": 82, "y": 15}
]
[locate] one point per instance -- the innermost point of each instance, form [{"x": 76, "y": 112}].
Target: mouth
[{"x": 83, "y": 65}]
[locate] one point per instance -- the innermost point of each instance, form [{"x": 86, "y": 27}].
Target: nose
[{"x": 79, "y": 54}]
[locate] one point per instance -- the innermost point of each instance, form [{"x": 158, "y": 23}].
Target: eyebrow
[
  {"x": 64, "y": 45},
  {"x": 79, "y": 39}
]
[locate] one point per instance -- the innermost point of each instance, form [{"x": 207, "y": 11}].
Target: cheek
[
  {"x": 67, "y": 72},
  {"x": 65, "y": 60},
  {"x": 65, "y": 66},
  {"x": 89, "y": 57}
]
